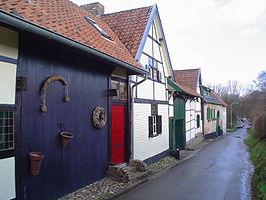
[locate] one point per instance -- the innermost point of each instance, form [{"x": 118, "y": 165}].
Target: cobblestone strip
[{"x": 107, "y": 188}]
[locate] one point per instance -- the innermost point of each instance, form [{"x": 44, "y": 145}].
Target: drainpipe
[{"x": 132, "y": 116}]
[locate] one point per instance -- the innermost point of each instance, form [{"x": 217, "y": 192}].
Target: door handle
[{"x": 118, "y": 144}]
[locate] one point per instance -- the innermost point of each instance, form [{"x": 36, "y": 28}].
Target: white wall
[
  {"x": 192, "y": 109},
  {"x": 145, "y": 147},
  {"x": 9, "y": 49},
  {"x": 7, "y": 179}
]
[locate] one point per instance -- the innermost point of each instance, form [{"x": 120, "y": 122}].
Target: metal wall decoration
[
  {"x": 45, "y": 88},
  {"x": 99, "y": 117}
]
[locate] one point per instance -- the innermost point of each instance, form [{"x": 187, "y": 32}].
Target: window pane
[
  {"x": 115, "y": 85},
  {"x": 6, "y": 130},
  {"x": 123, "y": 91}
]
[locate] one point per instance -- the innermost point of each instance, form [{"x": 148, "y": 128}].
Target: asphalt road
[{"x": 220, "y": 171}]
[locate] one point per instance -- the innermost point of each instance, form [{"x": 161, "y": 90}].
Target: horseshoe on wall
[{"x": 45, "y": 88}]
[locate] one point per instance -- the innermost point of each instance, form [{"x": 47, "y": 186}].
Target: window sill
[{"x": 155, "y": 135}]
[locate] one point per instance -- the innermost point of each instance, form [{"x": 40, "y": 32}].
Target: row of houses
[{"x": 104, "y": 81}]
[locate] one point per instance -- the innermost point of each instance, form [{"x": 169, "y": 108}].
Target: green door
[
  {"x": 178, "y": 139},
  {"x": 218, "y": 123}
]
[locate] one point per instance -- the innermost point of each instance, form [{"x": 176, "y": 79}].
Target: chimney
[{"x": 96, "y": 8}]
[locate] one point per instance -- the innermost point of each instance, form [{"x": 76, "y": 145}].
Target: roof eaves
[
  {"x": 146, "y": 32},
  {"x": 22, "y": 24}
]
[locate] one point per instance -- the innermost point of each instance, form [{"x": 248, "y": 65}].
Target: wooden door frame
[{"x": 127, "y": 135}]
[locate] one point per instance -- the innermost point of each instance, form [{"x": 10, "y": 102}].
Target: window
[
  {"x": 198, "y": 121},
  {"x": 98, "y": 28},
  {"x": 121, "y": 88},
  {"x": 155, "y": 122},
  {"x": 6, "y": 130},
  {"x": 152, "y": 68},
  {"x": 208, "y": 113}
]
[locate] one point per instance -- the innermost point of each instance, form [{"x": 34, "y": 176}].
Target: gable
[
  {"x": 154, "y": 45},
  {"x": 135, "y": 28},
  {"x": 129, "y": 26},
  {"x": 189, "y": 78}
]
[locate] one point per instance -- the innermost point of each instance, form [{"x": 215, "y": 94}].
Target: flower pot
[
  {"x": 66, "y": 137},
  {"x": 35, "y": 162}
]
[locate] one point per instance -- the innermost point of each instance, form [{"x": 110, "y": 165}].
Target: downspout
[{"x": 132, "y": 116}]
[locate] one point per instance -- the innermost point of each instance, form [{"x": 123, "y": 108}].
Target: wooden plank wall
[{"x": 85, "y": 159}]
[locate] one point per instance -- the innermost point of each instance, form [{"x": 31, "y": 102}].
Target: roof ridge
[{"x": 127, "y": 10}]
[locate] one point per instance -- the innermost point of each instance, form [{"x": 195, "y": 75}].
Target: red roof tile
[
  {"x": 67, "y": 19},
  {"x": 129, "y": 26},
  {"x": 187, "y": 78}
]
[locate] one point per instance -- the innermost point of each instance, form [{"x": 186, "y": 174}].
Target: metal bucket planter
[
  {"x": 35, "y": 162},
  {"x": 66, "y": 137}
]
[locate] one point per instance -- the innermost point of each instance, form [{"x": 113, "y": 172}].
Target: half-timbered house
[
  {"x": 141, "y": 31},
  {"x": 56, "y": 63}
]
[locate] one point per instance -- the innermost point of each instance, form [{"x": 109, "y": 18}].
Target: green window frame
[{"x": 198, "y": 120}]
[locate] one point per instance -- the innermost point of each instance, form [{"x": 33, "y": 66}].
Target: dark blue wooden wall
[{"x": 85, "y": 159}]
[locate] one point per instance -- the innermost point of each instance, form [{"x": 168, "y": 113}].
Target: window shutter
[
  {"x": 159, "y": 124},
  {"x": 150, "y": 126}
]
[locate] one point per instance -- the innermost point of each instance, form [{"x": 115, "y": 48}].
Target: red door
[{"x": 118, "y": 134}]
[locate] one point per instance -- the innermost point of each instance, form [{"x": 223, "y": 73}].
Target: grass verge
[
  {"x": 233, "y": 129},
  {"x": 258, "y": 156}
]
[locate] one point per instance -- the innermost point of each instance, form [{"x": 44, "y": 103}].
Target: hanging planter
[
  {"x": 66, "y": 137},
  {"x": 35, "y": 162}
]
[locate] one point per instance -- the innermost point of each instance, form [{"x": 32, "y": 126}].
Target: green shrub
[
  {"x": 260, "y": 126},
  {"x": 258, "y": 156}
]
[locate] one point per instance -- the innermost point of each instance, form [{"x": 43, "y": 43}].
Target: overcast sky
[{"x": 225, "y": 38}]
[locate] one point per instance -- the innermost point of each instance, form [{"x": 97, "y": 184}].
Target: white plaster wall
[
  {"x": 7, "y": 83},
  {"x": 171, "y": 111},
  {"x": 145, "y": 147},
  {"x": 8, "y": 48},
  {"x": 148, "y": 45},
  {"x": 224, "y": 119},
  {"x": 120, "y": 73},
  {"x": 8, "y": 43},
  {"x": 7, "y": 179},
  {"x": 145, "y": 90},
  {"x": 159, "y": 92}
]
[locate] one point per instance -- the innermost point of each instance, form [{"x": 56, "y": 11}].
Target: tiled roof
[
  {"x": 129, "y": 26},
  {"x": 187, "y": 78},
  {"x": 67, "y": 19},
  {"x": 220, "y": 99},
  {"x": 213, "y": 97},
  {"x": 190, "y": 91}
]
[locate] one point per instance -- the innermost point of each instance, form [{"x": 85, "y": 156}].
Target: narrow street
[{"x": 220, "y": 171}]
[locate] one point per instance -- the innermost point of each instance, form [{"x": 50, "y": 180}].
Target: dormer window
[{"x": 98, "y": 28}]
